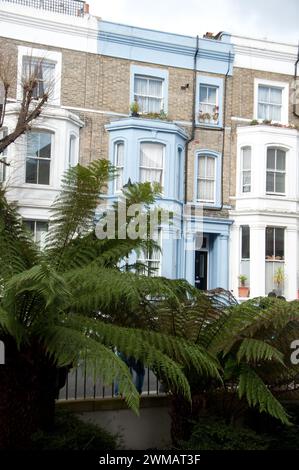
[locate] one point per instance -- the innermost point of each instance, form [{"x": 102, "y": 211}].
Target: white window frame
[
  {"x": 35, "y": 222},
  {"x": 216, "y": 104},
  {"x": 198, "y": 178},
  {"x": 245, "y": 170},
  {"x": 154, "y": 73},
  {"x": 51, "y": 56},
  {"x": 115, "y": 154},
  {"x": 275, "y": 171},
  {"x": 146, "y": 261},
  {"x": 147, "y": 95},
  {"x": 141, "y": 167},
  {"x": 285, "y": 98},
  {"x": 36, "y": 185}
]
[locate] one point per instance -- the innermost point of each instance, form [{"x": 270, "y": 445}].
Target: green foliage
[
  {"x": 70, "y": 433},
  {"x": 214, "y": 434},
  {"x": 76, "y": 301}
]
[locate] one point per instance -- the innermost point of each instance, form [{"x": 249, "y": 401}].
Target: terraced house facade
[{"x": 196, "y": 100}]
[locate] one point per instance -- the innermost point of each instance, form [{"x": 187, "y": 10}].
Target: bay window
[
  {"x": 151, "y": 162},
  {"x": 38, "y": 157}
]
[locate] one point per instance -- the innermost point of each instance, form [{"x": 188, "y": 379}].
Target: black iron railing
[
  {"x": 67, "y": 7},
  {"x": 81, "y": 386}
]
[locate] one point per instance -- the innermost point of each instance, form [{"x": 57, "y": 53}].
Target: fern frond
[
  {"x": 258, "y": 394},
  {"x": 257, "y": 350}
]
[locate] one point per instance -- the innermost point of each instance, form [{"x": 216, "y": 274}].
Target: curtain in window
[
  {"x": 151, "y": 162},
  {"x": 206, "y": 179},
  {"x": 269, "y": 103},
  {"x": 43, "y": 71},
  {"x": 119, "y": 163},
  {"x": 246, "y": 169},
  {"x": 148, "y": 93}
]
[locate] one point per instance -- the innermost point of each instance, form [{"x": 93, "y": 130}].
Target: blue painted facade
[{"x": 164, "y": 49}]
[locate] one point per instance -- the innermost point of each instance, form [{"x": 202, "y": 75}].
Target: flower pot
[{"x": 244, "y": 291}]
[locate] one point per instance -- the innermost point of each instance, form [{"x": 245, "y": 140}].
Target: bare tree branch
[{"x": 31, "y": 104}]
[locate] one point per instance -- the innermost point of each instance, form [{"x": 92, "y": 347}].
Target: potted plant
[
  {"x": 134, "y": 108},
  {"x": 216, "y": 114},
  {"x": 279, "y": 278},
  {"x": 243, "y": 290}
]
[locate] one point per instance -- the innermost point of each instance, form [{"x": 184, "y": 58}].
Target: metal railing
[
  {"x": 81, "y": 386},
  {"x": 67, "y": 7}
]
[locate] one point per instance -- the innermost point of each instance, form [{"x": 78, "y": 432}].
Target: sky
[{"x": 275, "y": 20}]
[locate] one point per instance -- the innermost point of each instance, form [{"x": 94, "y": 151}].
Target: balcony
[{"x": 66, "y": 7}]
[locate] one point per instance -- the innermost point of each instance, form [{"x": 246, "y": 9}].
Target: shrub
[
  {"x": 70, "y": 433},
  {"x": 214, "y": 434}
]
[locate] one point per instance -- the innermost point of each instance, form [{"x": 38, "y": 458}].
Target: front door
[{"x": 201, "y": 270}]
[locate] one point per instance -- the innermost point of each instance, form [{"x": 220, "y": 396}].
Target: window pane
[
  {"x": 263, "y": 93},
  {"x": 44, "y": 172},
  {"x": 140, "y": 85},
  {"x": 44, "y": 145},
  {"x": 270, "y": 182},
  {"x": 271, "y": 159},
  {"x": 269, "y": 242},
  {"x": 33, "y": 144},
  {"x": 274, "y": 113},
  {"x": 155, "y": 88},
  {"x": 212, "y": 95},
  {"x": 201, "y": 167},
  {"x": 245, "y": 233},
  {"x": 151, "y": 162},
  {"x": 203, "y": 94},
  {"x": 262, "y": 111},
  {"x": 246, "y": 164},
  {"x": 246, "y": 178},
  {"x": 31, "y": 170},
  {"x": 120, "y": 154},
  {"x": 41, "y": 232},
  {"x": 210, "y": 167},
  {"x": 29, "y": 225},
  {"x": 280, "y": 183},
  {"x": 276, "y": 95},
  {"x": 279, "y": 243},
  {"x": 280, "y": 162}
]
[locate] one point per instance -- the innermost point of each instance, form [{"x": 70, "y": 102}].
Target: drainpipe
[
  {"x": 295, "y": 79},
  {"x": 193, "y": 115}
]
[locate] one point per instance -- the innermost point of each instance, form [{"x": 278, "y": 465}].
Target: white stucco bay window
[
  {"x": 271, "y": 101},
  {"x": 45, "y": 66}
]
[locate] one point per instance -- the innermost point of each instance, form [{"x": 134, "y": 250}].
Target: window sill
[{"x": 209, "y": 125}]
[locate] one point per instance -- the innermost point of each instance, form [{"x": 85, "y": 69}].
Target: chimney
[{"x": 86, "y": 9}]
